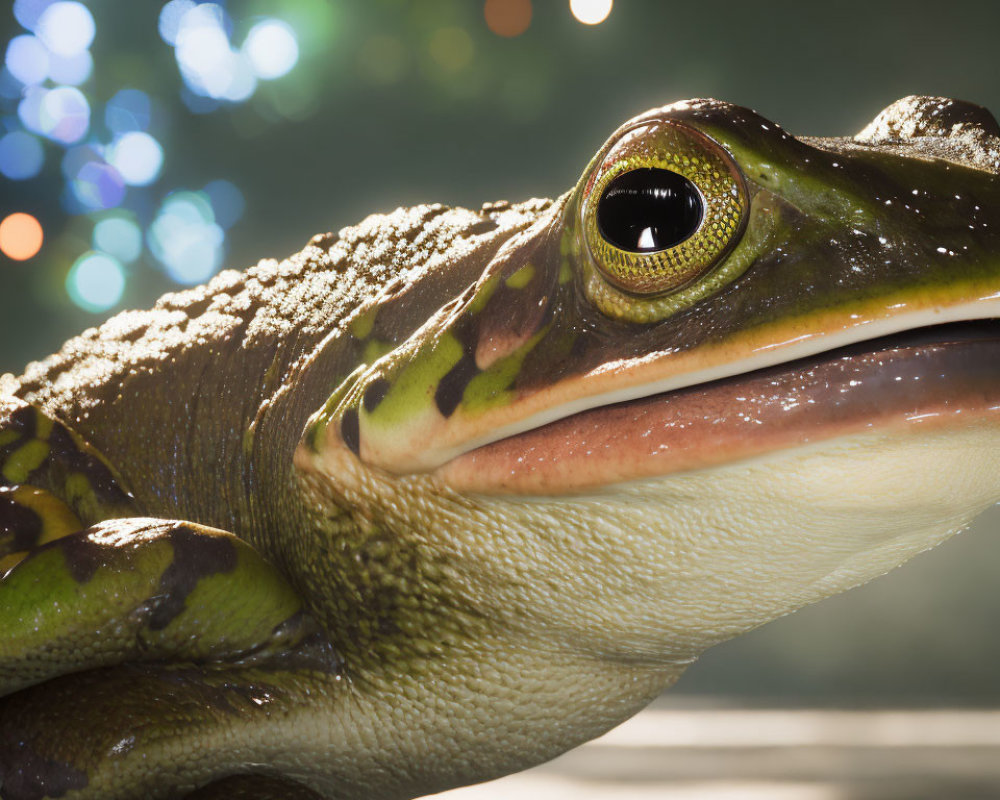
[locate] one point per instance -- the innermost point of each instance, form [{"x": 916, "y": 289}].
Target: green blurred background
[{"x": 140, "y": 161}]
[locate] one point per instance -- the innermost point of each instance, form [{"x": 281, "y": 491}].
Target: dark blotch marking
[
  {"x": 375, "y": 394},
  {"x": 196, "y": 556},
  {"x": 26, "y": 774},
  {"x": 83, "y": 555},
  {"x": 350, "y": 431},
  {"x": 63, "y": 451},
  {"x": 20, "y": 526},
  {"x": 452, "y": 386}
]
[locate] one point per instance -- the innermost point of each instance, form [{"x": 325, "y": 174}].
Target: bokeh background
[{"x": 154, "y": 143}]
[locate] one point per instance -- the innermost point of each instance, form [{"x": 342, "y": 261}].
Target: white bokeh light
[
  {"x": 185, "y": 238},
  {"x": 27, "y": 59},
  {"x": 590, "y": 12},
  {"x": 272, "y": 48},
  {"x": 137, "y": 156},
  {"x": 64, "y": 114},
  {"x": 96, "y": 281},
  {"x": 119, "y": 236},
  {"x": 66, "y": 28},
  {"x": 71, "y": 70}
]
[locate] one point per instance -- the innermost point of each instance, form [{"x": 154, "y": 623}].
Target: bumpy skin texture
[{"x": 238, "y": 560}]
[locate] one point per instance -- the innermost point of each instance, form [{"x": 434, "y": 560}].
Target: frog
[{"x": 452, "y": 491}]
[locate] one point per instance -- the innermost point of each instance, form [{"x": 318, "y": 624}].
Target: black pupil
[{"x": 649, "y": 209}]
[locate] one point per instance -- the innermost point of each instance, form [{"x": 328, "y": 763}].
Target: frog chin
[{"x": 655, "y": 570}]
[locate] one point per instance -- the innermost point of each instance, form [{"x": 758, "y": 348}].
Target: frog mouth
[{"x": 929, "y": 377}]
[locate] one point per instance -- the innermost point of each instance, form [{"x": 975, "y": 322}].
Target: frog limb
[
  {"x": 159, "y": 732},
  {"x": 142, "y": 590}
]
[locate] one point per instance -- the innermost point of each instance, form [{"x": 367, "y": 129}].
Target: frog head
[{"x": 730, "y": 373}]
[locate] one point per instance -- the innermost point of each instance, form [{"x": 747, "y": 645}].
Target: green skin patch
[{"x": 145, "y": 591}]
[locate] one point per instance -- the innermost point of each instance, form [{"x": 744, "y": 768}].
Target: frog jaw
[{"x": 649, "y": 415}]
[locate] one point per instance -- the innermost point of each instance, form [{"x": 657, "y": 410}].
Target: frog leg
[
  {"x": 141, "y": 589},
  {"x": 37, "y": 450},
  {"x": 29, "y": 518},
  {"x": 154, "y": 731}
]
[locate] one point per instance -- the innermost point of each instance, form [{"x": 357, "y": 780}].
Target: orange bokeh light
[
  {"x": 20, "y": 236},
  {"x": 507, "y": 17}
]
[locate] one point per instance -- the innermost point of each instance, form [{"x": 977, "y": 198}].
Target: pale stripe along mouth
[{"x": 939, "y": 375}]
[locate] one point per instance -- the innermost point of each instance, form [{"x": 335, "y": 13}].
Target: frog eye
[{"x": 662, "y": 208}]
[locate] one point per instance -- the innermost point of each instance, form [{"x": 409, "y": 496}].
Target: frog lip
[{"x": 938, "y": 375}]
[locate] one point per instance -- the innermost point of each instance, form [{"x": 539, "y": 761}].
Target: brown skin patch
[{"x": 196, "y": 556}]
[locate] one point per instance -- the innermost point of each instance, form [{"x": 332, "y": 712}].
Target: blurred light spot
[
  {"x": 66, "y": 27},
  {"x": 227, "y": 202},
  {"x": 21, "y": 156},
  {"x": 30, "y": 108},
  {"x": 64, "y": 114},
  {"x": 76, "y": 157},
  {"x": 591, "y": 12},
  {"x": 137, "y": 156},
  {"x": 382, "y": 59},
  {"x": 185, "y": 238},
  {"x": 27, "y": 59},
  {"x": 98, "y": 186},
  {"x": 95, "y": 281},
  {"x": 170, "y": 19},
  {"x": 10, "y": 87},
  {"x": 27, "y": 12},
  {"x": 207, "y": 62},
  {"x": 198, "y": 104},
  {"x": 451, "y": 48},
  {"x": 128, "y": 110},
  {"x": 272, "y": 48},
  {"x": 20, "y": 236},
  {"x": 243, "y": 81},
  {"x": 71, "y": 70},
  {"x": 119, "y": 236},
  {"x": 507, "y": 17}
]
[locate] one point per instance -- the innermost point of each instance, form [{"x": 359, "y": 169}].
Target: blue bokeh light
[
  {"x": 30, "y": 108},
  {"x": 27, "y": 59},
  {"x": 27, "y": 12},
  {"x": 21, "y": 156},
  {"x": 66, "y": 27},
  {"x": 118, "y": 235},
  {"x": 227, "y": 202},
  {"x": 75, "y": 157},
  {"x": 71, "y": 70},
  {"x": 64, "y": 114},
  {"x": 185, "y": 238},
  {"x": 128, "y": 110},
  {"x": 171, "y": 14},
  {"x": 272, "y": 48},
  {"x": 96, "y": 281},
  {"x": 137, "y": 156},
  {"x": 98, "y": 186}
]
